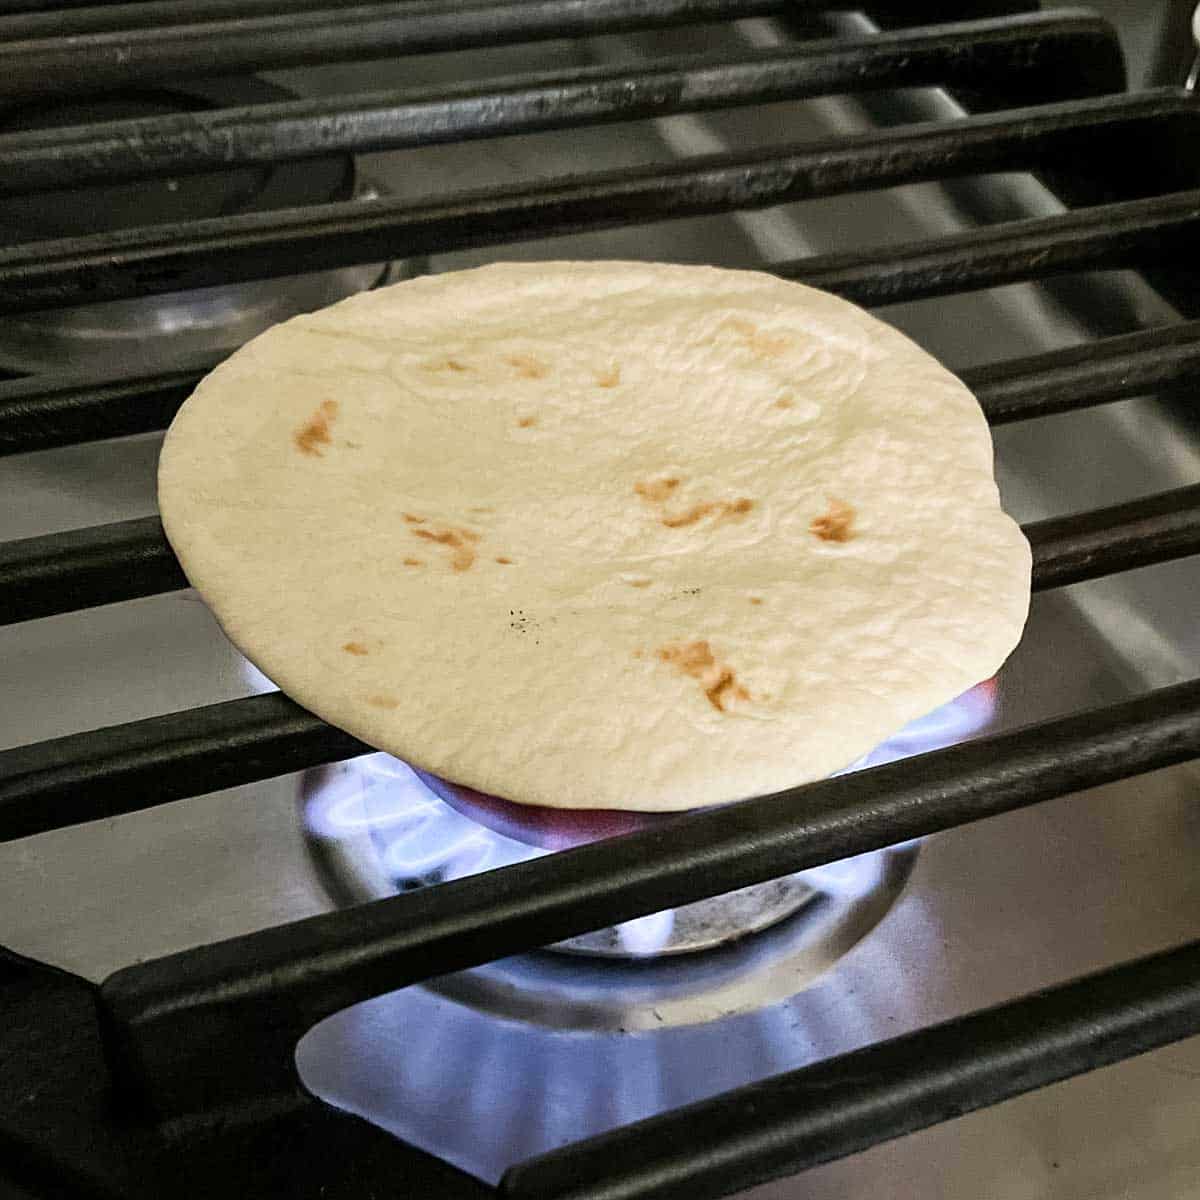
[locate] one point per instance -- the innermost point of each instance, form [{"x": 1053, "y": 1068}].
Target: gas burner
[
  {"x": 375, "y": 827},
  {"x": 126, "y": 337},
  {"x": 686, "y": 930}
]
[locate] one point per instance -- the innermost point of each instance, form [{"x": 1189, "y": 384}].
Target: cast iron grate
[{"x": 176, "y": 1076}]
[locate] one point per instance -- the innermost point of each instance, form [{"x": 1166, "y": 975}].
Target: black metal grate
[
  {"x": 168, "y": 258},
  {"x": 177, "y": 1076}
]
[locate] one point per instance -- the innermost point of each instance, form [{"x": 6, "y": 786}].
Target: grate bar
[
  {"x": 42, "y": 412},
  {"x": 95, "y": 16},
  {"x": 838, "y": 1107},
  {"x": 1043, "y": 50},
  {"x": 83, "y": 568},
  {"x": 65, "y": 572},
  {"x": 220, "y": 250},
  {"x": 123, "y": 58},
  {"x": 172, "y": 1020},
  {"x": 1097, "y": 372},
  {"x": 126, "y": 768},
  {"x": 28, "y": 18},
  {"x": 1154, "y": 529},
  {"x": 51, "y": 7},
  {"x": 141, "y": 764},
  {"x": 1139, "y": 233}
]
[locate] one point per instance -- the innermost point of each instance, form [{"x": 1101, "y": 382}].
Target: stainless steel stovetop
[{"x": 990, "y": 911}]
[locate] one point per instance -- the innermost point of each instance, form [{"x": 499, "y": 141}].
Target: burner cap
[
  {"x": 704, "y": 925},
  {"x": 535, "y": 825},
  {"x": 375, "y": 829}
]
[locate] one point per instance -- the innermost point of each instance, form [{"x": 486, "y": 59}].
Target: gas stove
[{"x": 245, "y": 953}]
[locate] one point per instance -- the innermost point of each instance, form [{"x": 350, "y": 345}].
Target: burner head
[
  {"x": 703, "y": 925},
  {"x": 138, "y": 336},
  {"x": 424, "y": 830},
  {"x": 375, "y": 828},
  {"x": 546, "y": 828}
]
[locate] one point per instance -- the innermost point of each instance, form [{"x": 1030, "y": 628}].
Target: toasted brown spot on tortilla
[
  {"x": 458, "y": 540},
  {"x": 784, "y": 402},
  {"x": 692, "y": 658},
  {"x": 763, "y": 344},
  {"x": 443, "y": 537},
  {"x": 608, "y": 378},
  {"x": 725, "y": 685},
  {"x": 689, "y": 517},
  {"x": 836, "y": 524},
  {"x": 383, "y": 701},
  {"x": 755, "y": 599},
  {"x": 413, "y": 562},
  {"x": 766, "y": 346},
  {"x": 506, "y": 561},
  {"x": 355, "y": 648},
  {"x": 723, "y": 508},
  {"x": 655, "y": 491},
  {"x": 414, "y": 520},
  {"x": 314, "y": 433},
  {"x": 716, "y": 691},
  {"x": 445, "y": 364},
  {"x": 526, "y": 422},
  {"x": 696, "y": 659},
  {"x": 527, "y": 366},
  {"x": 640, "y": 583}
]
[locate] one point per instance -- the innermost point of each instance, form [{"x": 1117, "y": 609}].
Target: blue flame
[
  {"x": 646, "y": 936},
  {"x": 423, "y": 840},
  {"x": 945, "y": 726}
]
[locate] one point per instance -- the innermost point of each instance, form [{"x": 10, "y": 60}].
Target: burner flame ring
[{"x": 536, "y": 825}]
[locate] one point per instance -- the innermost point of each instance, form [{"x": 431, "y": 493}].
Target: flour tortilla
[{"x": 600, "y": 534}]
